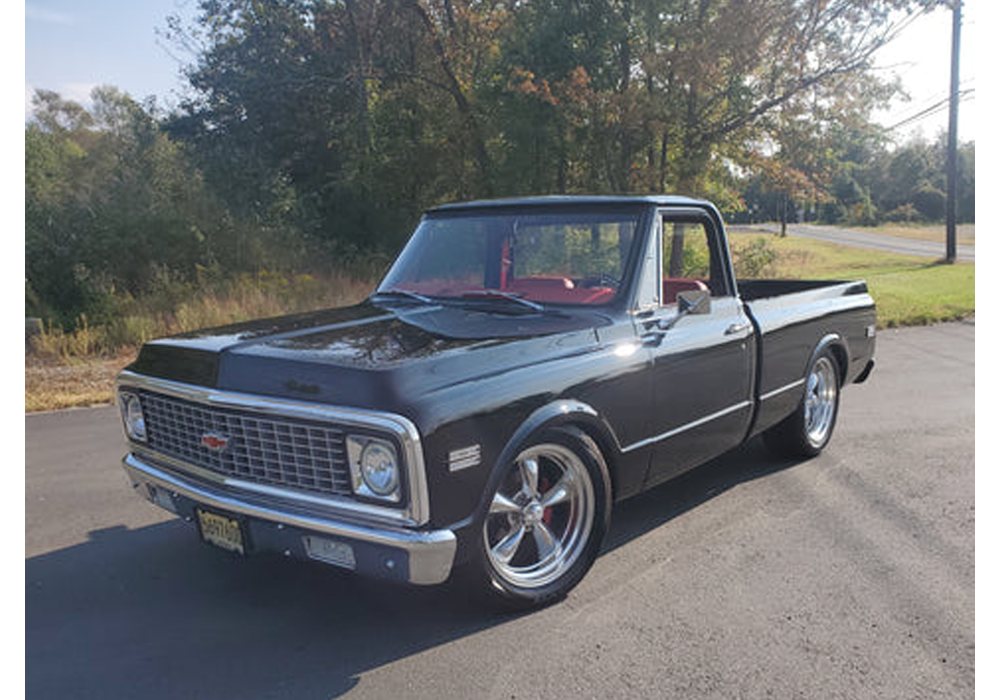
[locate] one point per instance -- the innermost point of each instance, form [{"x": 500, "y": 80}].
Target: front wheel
[
  {"x": 545, "y": 520},
  {"x": 807, "y": 431}
]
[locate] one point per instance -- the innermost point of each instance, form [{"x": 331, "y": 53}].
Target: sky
[{"x": 71, "y": 47}]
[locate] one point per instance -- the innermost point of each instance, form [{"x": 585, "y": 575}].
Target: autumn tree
[{"x": 348, "y": 117}]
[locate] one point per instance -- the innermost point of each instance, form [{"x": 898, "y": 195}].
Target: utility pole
[{"x": 951, "y": 213}]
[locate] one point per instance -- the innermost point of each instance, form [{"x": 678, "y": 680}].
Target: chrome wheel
[
  {"x": 806, "y": 431},
  {"x": 540, "y": 518},
  {"x": 820, "y": 401}
]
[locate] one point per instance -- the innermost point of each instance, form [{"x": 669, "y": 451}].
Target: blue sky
[
  {"x": 71, "y": 47},
  {"x": 921, "y": 57}
]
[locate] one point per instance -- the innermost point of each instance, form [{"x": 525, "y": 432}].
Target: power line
[{"x": 933, "y": 109}]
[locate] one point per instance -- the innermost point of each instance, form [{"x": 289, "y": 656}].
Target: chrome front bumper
[{"x": 414, "y": 556}]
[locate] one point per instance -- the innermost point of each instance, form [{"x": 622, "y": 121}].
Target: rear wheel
[
  {"x": 545, "y": 520},
  {"x": 807, "y": 431}
]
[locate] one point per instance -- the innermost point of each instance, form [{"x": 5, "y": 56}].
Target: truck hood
[{"x": 372, "y": 355}]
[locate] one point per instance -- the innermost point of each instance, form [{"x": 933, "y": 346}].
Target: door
[{"x": 702, "y": 372}]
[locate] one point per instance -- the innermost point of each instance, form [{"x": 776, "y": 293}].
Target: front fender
[{"x": 556, "y": 413}]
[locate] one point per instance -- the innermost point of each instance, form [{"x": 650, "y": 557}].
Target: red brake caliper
[{"x": 543, "y": 483}]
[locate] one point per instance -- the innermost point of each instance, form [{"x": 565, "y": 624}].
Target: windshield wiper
[
  {"x": 507, "y": 296},
  {"x": 403, "y": 294},
  {"x": 484, "y": 294}
]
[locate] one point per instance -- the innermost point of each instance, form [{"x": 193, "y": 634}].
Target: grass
[
  {"x": 965, "y": 233},
  {"x": 53, "y": 383},
  {"x": 925, "y": 294},
  {"x": 68, "y": 369},
  {"x": 907, "y": 290},
  {"x": 77, "y": 368}
]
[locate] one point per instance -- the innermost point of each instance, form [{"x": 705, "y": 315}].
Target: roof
[{"x": 572, "y": 200}]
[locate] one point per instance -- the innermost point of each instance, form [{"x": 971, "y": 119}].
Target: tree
[
  {"x": 908, "y": 182},
  {"x": 676, "y": 89},
  {"x": 111, "y": 206},
  {"x": 345, "y": 118}
]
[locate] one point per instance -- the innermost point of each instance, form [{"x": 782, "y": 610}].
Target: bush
[
  {"x": 931, "y": 202},
  {"x": 754, "y": 259},
  {"x": 177, "y": 306}
]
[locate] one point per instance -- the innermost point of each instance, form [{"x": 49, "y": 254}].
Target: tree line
[{"x": 319, "y": 130}]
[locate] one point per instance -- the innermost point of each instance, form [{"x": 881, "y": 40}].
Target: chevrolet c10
[{"x": 524, "y": 365}]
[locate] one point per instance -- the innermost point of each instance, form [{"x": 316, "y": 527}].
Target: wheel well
[
  {"x": 570, "y": 413},
  {"x": 606, "y": 448},
  {"x": 839, "y": 353}
]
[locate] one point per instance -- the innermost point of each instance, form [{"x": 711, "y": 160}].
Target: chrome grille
[{"x": 264, "y": 449}]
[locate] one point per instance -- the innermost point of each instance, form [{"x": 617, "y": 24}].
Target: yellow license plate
[{"x": 221, "y": 531}]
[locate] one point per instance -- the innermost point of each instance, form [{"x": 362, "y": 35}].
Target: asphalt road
[
  {"x": 847, "y": 576},
  {"x": 871, "y": 241}
]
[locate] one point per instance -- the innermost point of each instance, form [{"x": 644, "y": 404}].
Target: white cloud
[{"x": 77, "y": 92}]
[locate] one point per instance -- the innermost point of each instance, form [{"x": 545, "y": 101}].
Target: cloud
[{"x": 77, "y": 92}]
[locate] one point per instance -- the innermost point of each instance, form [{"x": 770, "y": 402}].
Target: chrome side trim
[
  {"x": 431, "y": 554},
  {"x": 781, "y": 390},
  {"x": 417, "y": 509},
  {"x": 688, "y": 426},
  {"x": 464, "y": 458}
]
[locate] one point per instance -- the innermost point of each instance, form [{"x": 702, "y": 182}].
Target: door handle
[
  {"x": 652, "y": 339},
  {"x": 738, "y": 328}
]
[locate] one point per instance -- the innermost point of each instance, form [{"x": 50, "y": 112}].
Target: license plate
[{"x": 221, "y": 531}]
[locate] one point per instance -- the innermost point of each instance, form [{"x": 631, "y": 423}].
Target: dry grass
[
  {"x": 965, "y": 233},
  {"x": 52, "y": 383},
  {"x": 77, "y": 368}
]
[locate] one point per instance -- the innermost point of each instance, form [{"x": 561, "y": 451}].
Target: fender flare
[
  {"x": 556, "y": 413},
  {"x": 837, "y": 344}
]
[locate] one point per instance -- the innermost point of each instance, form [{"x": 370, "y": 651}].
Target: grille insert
[{"x": 264, "y": 449}]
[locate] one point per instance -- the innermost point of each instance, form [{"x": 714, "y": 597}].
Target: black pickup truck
[{"x": 524, "y": 365}]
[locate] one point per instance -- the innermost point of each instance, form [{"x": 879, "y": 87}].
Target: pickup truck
[{"x": 524, "y": 365}]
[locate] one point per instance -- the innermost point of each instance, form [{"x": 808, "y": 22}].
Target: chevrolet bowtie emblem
[{"x": 214, "y": 442}]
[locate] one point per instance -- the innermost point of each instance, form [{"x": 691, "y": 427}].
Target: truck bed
[
  {"x": 791, "y": 315},
  {"x": 756, "y": 289}
]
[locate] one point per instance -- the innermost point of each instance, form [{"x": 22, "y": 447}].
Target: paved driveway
[{"x": 847, "y": 576}]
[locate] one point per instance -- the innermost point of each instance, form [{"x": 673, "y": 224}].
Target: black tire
[
  {"x": 544, "y": 523},
  {"x": 808, "y": 430}
]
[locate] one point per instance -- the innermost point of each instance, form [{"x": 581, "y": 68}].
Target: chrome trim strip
[
  {"x": 693, "y": 424},
  {"x": 464, "y": 458},
  {"x": 431, "y": 554},
  {"x": 788, "y": 387},
  {"x": 417, "y": 510},
  {"x": 709, "y": 418}
]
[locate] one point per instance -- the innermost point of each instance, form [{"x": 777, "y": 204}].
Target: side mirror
[{"x": 695, "y": 301}]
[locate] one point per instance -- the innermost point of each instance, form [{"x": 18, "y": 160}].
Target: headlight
[
  {"x": 374, "y": 468},
  {"x": 135, "y": 422}
]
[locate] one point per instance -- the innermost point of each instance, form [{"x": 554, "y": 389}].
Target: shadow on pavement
[
  {"x": 152, "y": 613},
  {"x": 648, "y": 511}
]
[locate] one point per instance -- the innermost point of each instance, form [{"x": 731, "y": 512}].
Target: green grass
[
  {"x": 924, "y": 294},
  {"x": 907, "y": 290}
]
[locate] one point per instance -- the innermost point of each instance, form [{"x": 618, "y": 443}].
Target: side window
[{"x": 690, "y": 259}]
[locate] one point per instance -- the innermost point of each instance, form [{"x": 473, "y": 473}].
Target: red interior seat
[{"x": 673, "y": 285}]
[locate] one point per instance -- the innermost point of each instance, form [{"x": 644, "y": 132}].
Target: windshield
[{"x": 562, "y": 258}]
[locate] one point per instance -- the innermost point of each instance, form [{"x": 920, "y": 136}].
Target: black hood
[{"x": 365, "y": 354}]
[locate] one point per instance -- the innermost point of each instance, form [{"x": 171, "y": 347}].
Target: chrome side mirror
[{"x": 695, "y": 301}]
